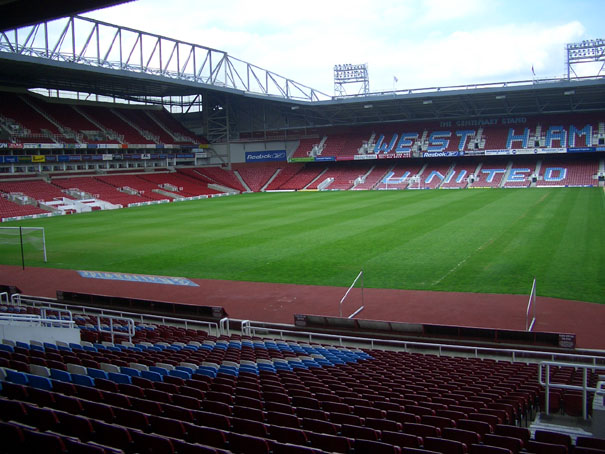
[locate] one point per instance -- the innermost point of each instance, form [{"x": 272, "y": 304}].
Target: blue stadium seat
[
  {"x": 83, "y": 380},
  {"x": 151, "y": 375},
  {"x": 7, "y": 348},
  {"x": 61, "y": 375},
  {"x": 13, "y": 376},
  {"x": 159, "y": 370},
  {"x": 130, "y": 371},
  {"x": 179, "y": 373},
  {"x": 119, "y": 378},
  {"x": 36, "y": 381},
  {"x": 97, "y": 373}
]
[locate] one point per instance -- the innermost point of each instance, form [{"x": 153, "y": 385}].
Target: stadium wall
[{"x": 248, "y": 151}]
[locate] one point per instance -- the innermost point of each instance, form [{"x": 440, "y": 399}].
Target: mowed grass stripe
[{"x": 472, "y": 240}]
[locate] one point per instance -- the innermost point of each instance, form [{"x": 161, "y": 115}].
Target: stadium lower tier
[
  {"x": 67, "y": 194},
  {"x": 250, "y": 395},
  {"x": 247, "y": 394}
]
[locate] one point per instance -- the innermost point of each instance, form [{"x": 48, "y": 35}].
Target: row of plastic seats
[{"x": 510, "y": 439}]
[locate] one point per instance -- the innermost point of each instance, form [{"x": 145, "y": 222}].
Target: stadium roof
[
  {"x": 17, "y": 13},
  {"x": 148, "y": 67}
]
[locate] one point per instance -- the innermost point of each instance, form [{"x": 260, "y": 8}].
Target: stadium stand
[
  {"x": 434, "y": 175},
  {"x": 341, "y": 177},
  {"x": 519, "y": 176},
  {"x": 460, "y": 174},
  {"x": 304, "y": 177},
  {"x": 10, "y": 209},
  {"x": 220, "y": 176},
  {"x": 185, "y": 390},
  {"x": 257, "y": 175},
  {"x": 95, "y": 188},
  {"x": 565, "y": 172},
  {"x": 31, "y": 119},
  {"x": 372, "y": 178},
  {"x": 179, "y": 184},
  {"x": 284, "y": 175},
  {"x": 24, "y": 122},
  {"x": 400, "y": 176}
]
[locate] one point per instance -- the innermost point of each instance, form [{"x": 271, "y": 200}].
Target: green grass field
[{"x": 489, "y": 241}]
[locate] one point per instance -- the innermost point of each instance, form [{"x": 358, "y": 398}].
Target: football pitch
[{"x": 480, "y": 240}]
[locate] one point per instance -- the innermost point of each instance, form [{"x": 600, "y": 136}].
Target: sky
[{"x": 405, "y": 43}]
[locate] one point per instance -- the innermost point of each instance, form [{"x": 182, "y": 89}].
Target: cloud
[{"x": 423, "y": 43}]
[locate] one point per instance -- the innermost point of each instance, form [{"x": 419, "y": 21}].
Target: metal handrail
[
  {"x": 143, "y": 318},
  {"x": 545, "y": 381},
  {"x": 515, "y": 355},
  {"x": 36, "y": 320}
]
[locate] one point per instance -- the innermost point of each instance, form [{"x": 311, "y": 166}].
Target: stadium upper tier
[
  {"x": 489, "y": 136},
  {"x": 27, "y": 119}
]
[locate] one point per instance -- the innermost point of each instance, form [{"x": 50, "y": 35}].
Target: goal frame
[{"x": 22, "y": 229}]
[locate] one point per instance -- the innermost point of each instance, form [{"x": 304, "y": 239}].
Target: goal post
[
  {"x": 359, "y": 278},
  {"x": 530, "y": 313},
  {"x": 30, "y": 240}
]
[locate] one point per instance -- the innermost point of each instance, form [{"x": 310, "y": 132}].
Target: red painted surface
[{"x": 279, "y": 302}]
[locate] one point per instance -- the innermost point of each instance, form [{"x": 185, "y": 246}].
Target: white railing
[
  {"x": 513, "y": 355},
  {"x": 50, "y": 303},
  {"x": 257, "y": 328},
  {"x": 34, "y": 320},
  {"x": 113, "y": 331},
  {"x": 544, "y": 378}
]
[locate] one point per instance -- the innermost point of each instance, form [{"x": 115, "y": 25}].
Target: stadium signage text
[
  {"x": 137, "y": 278},
  {"x": 519, "y": 139},
  {"x": 265, "y": 156}
]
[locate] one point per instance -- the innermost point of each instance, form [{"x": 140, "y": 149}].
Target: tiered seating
[
  {"x": 257, "y": 175},
  {"x": 144, "y": 187},
  {"x": 344, "y": 176},
  {"x": 577, "y": 173},
  {"x": 221, "y": 176},
  {"x": 14, "y": 108},
  {"x": 460, "y": 173},
  {"x": 520, "y": 175},
  {"x": 434, "y": 174},
  {"x": 182, "y": 390},
  {"x": 400, "y": 177},
  {"x": 191, "y": 186},
  {"x": 100, "y": 190},
  {"x": 285, "y": 174},
  {"x": 169, "y": 122},
  {"x": 159, "y": 123},
  {"x": 302, "y": 178},
  {"x": 37, "y": 189},
  {"x": 378, "y": 172},
  {"x": 491, "y": 174},
  {"x": 145, "y": 123},
  {"x": 336, "y": 145},
  {"x": 109, "y": 121},
  {"x": 10, "y": 209},
  {"x": 206, "y": 394},
  {"x": 305, "y": 146},
  {"x": 70, "y": 118}
]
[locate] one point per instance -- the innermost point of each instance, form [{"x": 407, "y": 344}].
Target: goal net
[{"x": 23, "y": 244}]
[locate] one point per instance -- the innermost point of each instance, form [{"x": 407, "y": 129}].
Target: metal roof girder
[{"x": 110, "y": 48}]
